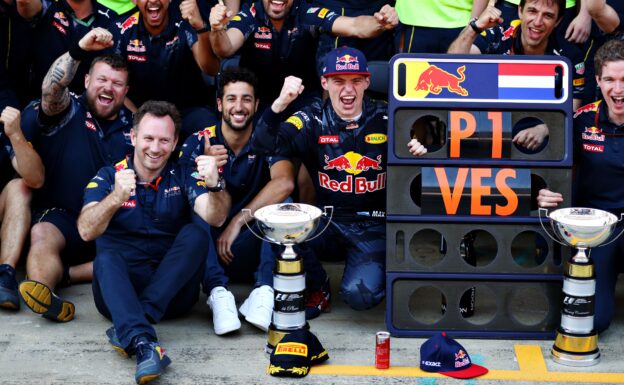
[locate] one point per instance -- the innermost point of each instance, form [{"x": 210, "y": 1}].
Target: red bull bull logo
[
  {"x": 593, "y": 134},
  {"x": 263, "y": 33},
  {"x": 353, "y": 164},
  {"x": 508, "y": 33},
  {"x": 129, "y": 22},
  {"x": 60, "y": 16},
  {"x": 135, "y": 45},
  {"x": 347, "y": 62},
  {"x": 434, "y": 79}
]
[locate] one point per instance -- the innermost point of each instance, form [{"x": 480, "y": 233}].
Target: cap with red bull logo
[{"x": 345, "y": 60}]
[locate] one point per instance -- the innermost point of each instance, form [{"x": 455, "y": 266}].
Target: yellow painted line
[{"x": 530, "y": 361}]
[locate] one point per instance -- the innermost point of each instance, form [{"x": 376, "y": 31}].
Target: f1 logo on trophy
[
  {"x": 576, "y": 343},
  {"x": 287, "y": 224}
]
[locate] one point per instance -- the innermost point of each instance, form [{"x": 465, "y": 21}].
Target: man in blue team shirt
[
  {"x": 149, "y": 255},
  {"x": 15, "y": 198},
  {"x": 253, "y": 181},
  {"x": 279, "y": 38},
  {"x": 167, "y": 49},
  {"x": 343, "y": 143},
  {"x": 598, "y": 138},
  {"x": 76, "y": 137}
]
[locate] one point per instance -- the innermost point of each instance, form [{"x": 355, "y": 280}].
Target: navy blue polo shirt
[
  {"x": 274, "y": 55},
  {"x": 599, "y": 153},
  {"x": 245, "y": 175},
  {"x": 73, "y": 147},
  {"x": 154, "y": 214},
  {"x": 161, "y": 67},
  {"x": 55, "y": 29},
  {"x": 505, "y": 40}
]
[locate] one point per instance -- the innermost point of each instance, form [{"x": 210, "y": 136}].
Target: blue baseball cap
[
  {"x": 442, "y": 354},
  {"x": 345, "y": 61}
]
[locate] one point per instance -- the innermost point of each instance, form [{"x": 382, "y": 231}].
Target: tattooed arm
[{"x": 54, "y": 91}]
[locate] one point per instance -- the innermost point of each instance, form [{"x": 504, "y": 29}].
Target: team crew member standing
[
  {"x": 149, "y": 255},
  {"x": 167, "y": 48},
  {"x": 533, "y": 34},
  {"x": 343, "y": 144},
  {"x": 276, "y": 39},
  {"x": 76, "y": 137},
  {"x": 253, "y": 181},
  {"x": 599, "y": 178}
]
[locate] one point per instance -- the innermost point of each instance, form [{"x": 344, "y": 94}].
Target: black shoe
[{"x": 9, "y": 299}]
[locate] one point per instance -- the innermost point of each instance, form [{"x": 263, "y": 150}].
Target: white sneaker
[
  {"x": 258, "y": 307},
  {"x": 224, "y": 315}
]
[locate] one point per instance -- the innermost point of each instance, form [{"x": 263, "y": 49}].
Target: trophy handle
[
  {"x": 248, "y": 212},
  {"x": 551, "y": 236},
  {"x": 617, "y": 236},
  {"x": 331, "y": 214}
]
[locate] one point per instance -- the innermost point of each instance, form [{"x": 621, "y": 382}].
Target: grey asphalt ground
[{"x": 36, "y": 351}]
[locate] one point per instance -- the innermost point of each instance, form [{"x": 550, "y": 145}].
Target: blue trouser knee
[
  {"x": 133, "y": 288},
  {"x": 253, "y": 262},
  {"x": 363, "y": 247}
]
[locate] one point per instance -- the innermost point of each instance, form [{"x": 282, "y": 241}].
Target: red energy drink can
[{"x": 382, "y": 350}]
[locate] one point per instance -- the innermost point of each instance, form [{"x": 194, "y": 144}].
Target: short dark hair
[
  {"x": 115, "y": 61},
  {"x": 159, "y": 109},
  {"x": 613, "y": 50},
  {"x": 561, "y": 6},
  {"x": 236, "y": 74}
]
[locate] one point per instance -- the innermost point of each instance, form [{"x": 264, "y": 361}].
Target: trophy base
[
  {"x": 275, "y": 335},
  {"x": 573, "y": 359},
  {"x": 575, "y": 349}
]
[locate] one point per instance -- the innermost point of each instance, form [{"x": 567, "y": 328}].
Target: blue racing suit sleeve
[
  {"x": 100, "y": 186},
  {"x": 265, "y": 140}
]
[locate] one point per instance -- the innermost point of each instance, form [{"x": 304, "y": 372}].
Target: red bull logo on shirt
[
  {"x": 593, "y": 134},
  {"x": 347, "y": 62},
  {"x": 434, "y": 79},
  {"x": 263, "y": 33},
  {"x": 61, "y": 18},
  {"x": 353, "y": 164},
  {"x": 135, "y": 45}
]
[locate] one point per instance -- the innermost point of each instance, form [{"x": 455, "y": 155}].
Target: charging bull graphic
[{"x": 433, "y": 79}]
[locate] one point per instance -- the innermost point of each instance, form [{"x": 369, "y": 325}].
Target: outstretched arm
[
  {"x": 207, "y": 61},
  {"x": 366, "y": 26}
]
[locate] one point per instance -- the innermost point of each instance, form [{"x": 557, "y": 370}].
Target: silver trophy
[
  {"x": 287, "y": 224},
  {"x": 576, "y": 343}
]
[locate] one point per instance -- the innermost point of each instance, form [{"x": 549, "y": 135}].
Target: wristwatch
[
  {"x": 220, "y": 186},
  {"x": 473, "y": 25},
  {"x": 203, "y": 29}
]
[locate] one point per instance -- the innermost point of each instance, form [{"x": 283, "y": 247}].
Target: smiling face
[
  {"x": 154, "y": 141},
  {"x": 539, "y": 19},
  {"x": 238, "y": 105},
  {"x": 346, "y": 93},
  {"x": 611, "y": 83},
  {"x": 106, "y": 90},
  {"x": 277, "y": 9},
  {"x": 154, "y": 14}
]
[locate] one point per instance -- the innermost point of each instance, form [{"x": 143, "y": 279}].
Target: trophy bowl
[
  {"x": 582, "y": 227},
  {"x": 287, "y": 223}
]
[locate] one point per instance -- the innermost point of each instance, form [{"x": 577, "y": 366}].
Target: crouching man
[{"x": 150, "y": 257}]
